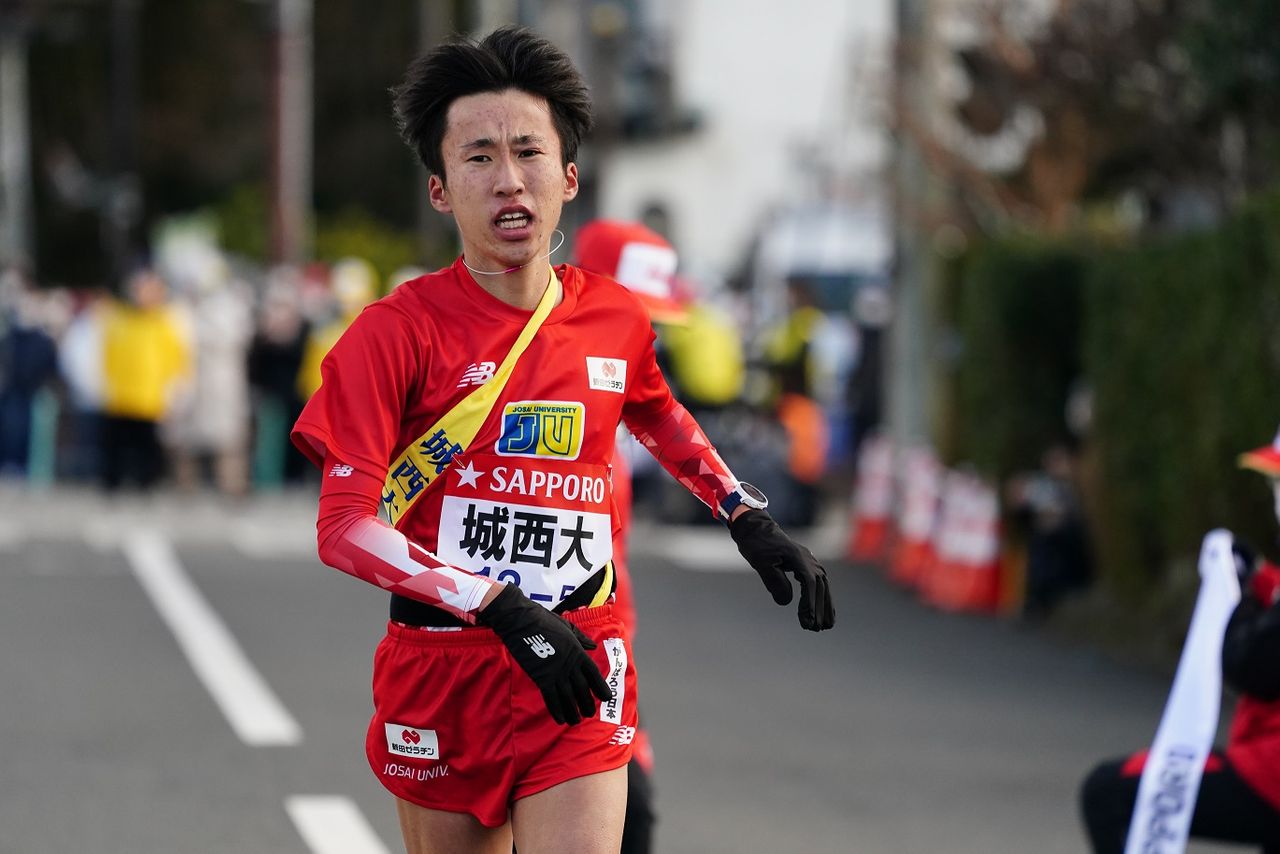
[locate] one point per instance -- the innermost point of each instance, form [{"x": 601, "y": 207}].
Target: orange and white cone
[
  {"x": 966, "y": 574},
  {"x": 872, "y": 501},
  {"x": 917, "y": 515}
]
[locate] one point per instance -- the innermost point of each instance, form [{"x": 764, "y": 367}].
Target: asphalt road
[{"x": 902, "y": 730}]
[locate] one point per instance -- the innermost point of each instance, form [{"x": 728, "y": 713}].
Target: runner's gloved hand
[
  {"x": 773, "y": 554},
  {"x": 551, "y": 650}
]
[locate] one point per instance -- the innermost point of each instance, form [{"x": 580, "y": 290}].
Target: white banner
[{"x": 1171, "y": 778}]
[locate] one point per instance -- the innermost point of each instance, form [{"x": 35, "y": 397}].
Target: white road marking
[
  {"x": 257, "y": 539},
  {"x": 12, "y": 538},
  {"x": 253, "y": 711},
  {"x": 332, "y": 825}
]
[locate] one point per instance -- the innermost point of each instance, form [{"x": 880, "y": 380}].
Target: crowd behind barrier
[{"x": 191, "y": 374}]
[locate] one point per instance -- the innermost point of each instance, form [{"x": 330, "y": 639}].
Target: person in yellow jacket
[
  {"x": 705, "y": 357},
  {"x": 353, "y": 283},
  {"x": 144, "y": 358}
]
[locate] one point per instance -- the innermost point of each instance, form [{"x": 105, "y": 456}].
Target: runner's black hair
[{"x": 508, "y": 58}]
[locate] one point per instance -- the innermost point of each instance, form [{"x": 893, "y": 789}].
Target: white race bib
[{"x": 544, "y": 526}]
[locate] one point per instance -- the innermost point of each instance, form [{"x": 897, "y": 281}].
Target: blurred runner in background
[{"x": 642, "y": 261}]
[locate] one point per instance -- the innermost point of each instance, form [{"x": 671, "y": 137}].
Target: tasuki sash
[{"x": 427, "y": 457}]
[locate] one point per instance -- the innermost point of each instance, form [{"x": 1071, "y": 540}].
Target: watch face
[{"x": 753, "y": 497}]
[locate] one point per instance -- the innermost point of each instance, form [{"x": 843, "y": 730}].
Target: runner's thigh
[
  {"x": 583, "y": 815},
  {"x": 438, "y": 832}
]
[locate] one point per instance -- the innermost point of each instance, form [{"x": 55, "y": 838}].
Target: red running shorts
[{"x": 458, "y": 726}]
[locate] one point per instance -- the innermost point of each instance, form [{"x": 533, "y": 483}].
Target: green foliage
[
  {"x": 355, "y": 233},
  {"x": 1180, "y": 349},
  {"x": 1018, "y": 314},
  {"x": 243, "y": 222},
  {"x": 1177, "y": 340}
]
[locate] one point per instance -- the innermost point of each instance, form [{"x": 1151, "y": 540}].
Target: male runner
[{"x": 477, "y": 406}]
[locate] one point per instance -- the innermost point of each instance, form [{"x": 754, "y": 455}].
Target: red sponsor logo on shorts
[{"x": 412, "y": 742}]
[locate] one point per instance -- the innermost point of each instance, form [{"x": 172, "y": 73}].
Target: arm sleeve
[
  {"x": 1251, "y": 645},
  {"x": 353, "y": 539},
  {"x": 349, "y": 428},
  {"x": 673, "y": 437}
]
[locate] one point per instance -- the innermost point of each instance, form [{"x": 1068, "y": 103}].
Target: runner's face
[{"x": 505, "y": 184}]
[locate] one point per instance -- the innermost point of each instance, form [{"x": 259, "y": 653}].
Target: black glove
[
  {"x": 773, "y": 554},
  {"x": 551, "y": 650}
]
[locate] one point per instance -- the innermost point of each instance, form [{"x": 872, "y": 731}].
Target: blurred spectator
[
  {"x": 1047, "y": 506},
  {"x": 80, "y": 360},
  {"x": 275, "y": 361},
  {"x": 865, "y": 394},
  {"x": 704, "y": 358},
  {"x": 209, "y": 423},
  {"x": 790, "y": 350},
  {"x": 144, "y": 356},
  {"x": 28, "y": 361},
  {"x": 1239, "y": 795},
  {"x": 353, "y": 283}
]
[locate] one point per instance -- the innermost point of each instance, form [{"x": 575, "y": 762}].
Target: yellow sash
[{"x": 426, "y": 458}]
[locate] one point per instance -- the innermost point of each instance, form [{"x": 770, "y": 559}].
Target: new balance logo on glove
[{"x": 540, "y": 647}]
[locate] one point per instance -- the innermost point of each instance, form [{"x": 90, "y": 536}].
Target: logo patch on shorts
[
  {"x": 412, "y": 742},
  {"x": 607, "y": 374},
  {"x": 611, "y": 710},
  {"x": 542, "y": 428}
]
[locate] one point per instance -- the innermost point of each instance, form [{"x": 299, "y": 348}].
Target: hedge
[{"x": 1179, "y": 340}]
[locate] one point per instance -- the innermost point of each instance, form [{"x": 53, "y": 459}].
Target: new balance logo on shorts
[
  {"x": 477, "y": 373},
  {"x": 623, "y": 735},
  {"x": 540, "y": 647},
  {"x": 339, "y": 470},
  {"x": 413, "y": 742}
]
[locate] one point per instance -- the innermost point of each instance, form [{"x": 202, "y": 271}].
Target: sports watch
[{"x": 744, "y": 494}]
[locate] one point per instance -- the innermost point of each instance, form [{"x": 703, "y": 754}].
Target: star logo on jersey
[
  {"x": 477, "y": 373},
  {"x": 468, "y": 475}
]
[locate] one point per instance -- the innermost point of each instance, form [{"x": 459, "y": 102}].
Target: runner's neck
[{"x": 519, "y": 288}]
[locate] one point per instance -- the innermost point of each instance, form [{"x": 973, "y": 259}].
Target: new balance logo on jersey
[
  {"x": 540, "y": 647},
  {"x": 477, "y": 373},
  {"x": 340, "y": 470},
  {"x": 623, "y": 735}
]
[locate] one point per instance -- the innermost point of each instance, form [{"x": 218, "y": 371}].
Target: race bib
[{"x": 541, "y": 525}]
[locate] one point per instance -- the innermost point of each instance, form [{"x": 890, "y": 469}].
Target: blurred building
[
  {"x": 712, "y": 115},
  {"x": 782, "y": 108}
]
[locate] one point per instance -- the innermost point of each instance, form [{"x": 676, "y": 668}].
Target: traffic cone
[
  {"x": 966, "y": 574},
  {"x": 872, "y": 501},
  {"x": 913, "y": 551}
]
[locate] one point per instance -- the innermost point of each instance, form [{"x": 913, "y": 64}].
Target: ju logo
[{"x": 542, "y": 428}]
